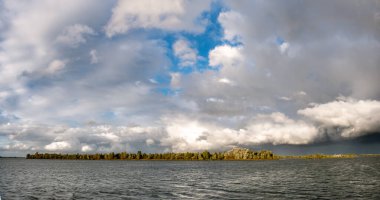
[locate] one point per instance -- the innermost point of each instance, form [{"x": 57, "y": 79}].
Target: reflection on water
[{"x": 294, "y": 179}]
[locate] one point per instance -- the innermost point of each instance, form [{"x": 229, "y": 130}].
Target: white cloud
[
  {"x": 94, "y": 56},
  {"x": 152, "y": 80},
  {"x": 55, "y": 66},
  {"x": 277, "y": 128},
  {"x": 102, "y": 138},
  {"x": 175, "y": 81},
  {"x": 87, "y": 148},
  {"x": 170, "y": 15},
  {"x": 353, "y": 117},
  {"x": 16, "y": 147},
  {"x": 75, "y": 35},
  {"x": 232, "y": 23},
  {"x": 76, "y": 99},
  {"x": 39, "y": 101},
  {"x": 225, "y": 56},
  {"x": 226, "y": 81},
  {"x": 58, "y": 146},
  {"x": 179, "y": 133},
  {"x": 285, "y": 98},
  {"x": 108, "y": 135},
  {"x": 214, "y": 100},
  {"x": 284, "y": 47},
  {"x": 301, "y": 93},
  {"x": 149, "y": 141},
  {"x": 186, "y": 134},
  {"x": 29, "y": 40},
  {"x": 186, "y": 54}
]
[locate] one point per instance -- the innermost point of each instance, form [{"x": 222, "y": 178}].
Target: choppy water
[{"x": 294, "y": 179}]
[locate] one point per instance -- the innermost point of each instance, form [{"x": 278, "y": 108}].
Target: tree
[
  {"x": 123, "y": 155},
  {"x": 206, "y": 155}
]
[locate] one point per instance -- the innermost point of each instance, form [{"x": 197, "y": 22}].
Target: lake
[{"x": 357, "y": 178}]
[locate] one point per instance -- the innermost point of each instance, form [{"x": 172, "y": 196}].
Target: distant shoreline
[
  {"x": 300, "y": 157},
  {"x": 233, "y": 154},
  {"x": 10, "y": 157}
]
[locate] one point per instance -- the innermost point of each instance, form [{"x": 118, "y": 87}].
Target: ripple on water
[{"x": 294, "y": 179}]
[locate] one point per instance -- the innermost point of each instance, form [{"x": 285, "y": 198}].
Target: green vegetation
[
  {"x": 320, "y": 156},
  {"x": 234, "y": 154},
  {"x": 369, "y": 155}
]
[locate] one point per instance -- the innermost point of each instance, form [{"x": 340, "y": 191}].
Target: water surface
[{"x": 357, "y": 178}]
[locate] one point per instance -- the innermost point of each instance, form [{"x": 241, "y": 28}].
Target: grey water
[{"x": 357, "y": 178}]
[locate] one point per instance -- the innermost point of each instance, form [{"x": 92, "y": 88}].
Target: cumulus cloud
[
  {"x": 32, "y": 29},
  {"x": 190, "y": 134},
  {"x": 184, "y": 52},
  {"x": 350, "y": 117},
  {"x": 284, "y": 47},
  {"x": 104, "y": 138},
  {"x": 87, "y": 148},
  {"x": 226, "y": 81},
  {"x": 175, "y": 81},
  {"x": 176, "y": 132},
  {"x": 225, "y": 56},
  {"x": 75, "y": 35},
  {"x": 55, "y": 66},
  {"x": 232, "y": 22},
  {"x": 168, "y": 15},
  {"x": 310, "y": 34},
  {"x": 149, "y": 141},
  {"x": 186, "y": 134},
  {"x": 58, "y": 146},
  {"x": 277, "y": 128}
]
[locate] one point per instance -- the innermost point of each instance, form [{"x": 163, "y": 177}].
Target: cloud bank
[{"x": 181, "y": 133}]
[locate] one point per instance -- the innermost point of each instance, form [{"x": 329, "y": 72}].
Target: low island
[{"x": 233, "y": 154}]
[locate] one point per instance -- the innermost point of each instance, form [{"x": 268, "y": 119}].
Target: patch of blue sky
[
  {"x": 279, "y": 40},
  {"x": 213, "y": 34},
  {"x": 162, "y": 79},
  {"x": 170, "y": 39},
  {"x": 167, "y": 91},
  {"x": 3, "y": 141},
  {"x": 202, "y": 42},
  {"x": 108, "y": 116},
  {"x": 6, "y": 118}
]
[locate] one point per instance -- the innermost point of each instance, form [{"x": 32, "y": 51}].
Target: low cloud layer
[
  {"x": 180, "y": 133},
  {"x": 350, "y": 118}
]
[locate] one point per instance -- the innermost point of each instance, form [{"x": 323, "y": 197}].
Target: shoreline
[{"x": 302, "y": 157}]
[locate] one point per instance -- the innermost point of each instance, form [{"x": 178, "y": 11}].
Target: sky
[{"x": 291, "y": 76}]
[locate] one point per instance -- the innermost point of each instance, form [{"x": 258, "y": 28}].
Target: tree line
[
  {"x": 205, "y": 155},
  {"x": 321, "y": 156}
]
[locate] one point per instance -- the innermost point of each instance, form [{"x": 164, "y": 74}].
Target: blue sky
[{"x": 188, "y": 75}]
